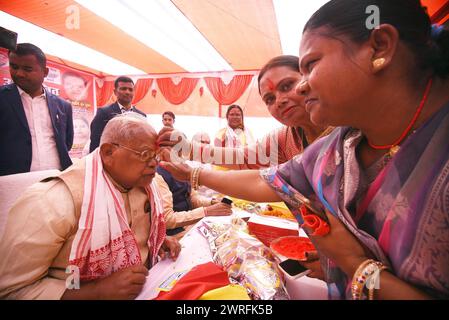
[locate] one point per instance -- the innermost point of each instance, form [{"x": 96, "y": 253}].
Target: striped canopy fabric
[{"x": 244, "y": 33}]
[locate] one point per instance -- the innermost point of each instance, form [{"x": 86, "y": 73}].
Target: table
[{"x": 195, "y": 250}]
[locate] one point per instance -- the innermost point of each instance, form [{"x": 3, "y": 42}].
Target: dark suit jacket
[
  {"x": 15, "y": 136},
  {"x": 180, "y": 191},
  {"x": 101, "y": 119}
]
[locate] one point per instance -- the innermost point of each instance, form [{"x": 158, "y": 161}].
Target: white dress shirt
[
  {"x": 123, "y": 109},
  {"x": 43, "y": 145}
]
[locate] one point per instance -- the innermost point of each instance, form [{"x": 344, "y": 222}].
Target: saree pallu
[{"x": 405, "y": 223}]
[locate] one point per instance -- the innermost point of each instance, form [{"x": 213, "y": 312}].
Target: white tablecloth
[{"x": 195, "y": 250}]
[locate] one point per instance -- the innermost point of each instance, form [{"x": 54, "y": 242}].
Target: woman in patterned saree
[{"x": 383, "y": 175}]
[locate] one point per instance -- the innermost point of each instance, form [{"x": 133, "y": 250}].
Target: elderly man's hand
[
  {"x": 218, "y": 209},
  {"x": 124, "y": 284},
  {"x": 172, "y": 246}
]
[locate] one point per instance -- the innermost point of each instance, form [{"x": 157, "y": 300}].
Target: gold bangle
[
  {"x": 365, "y": 272},
  {"x": 194, "y": 178},
  {"x": 357, "y": 283},
  {"x": 193, "y": 174},
  {"x": 198, "y": 178}
]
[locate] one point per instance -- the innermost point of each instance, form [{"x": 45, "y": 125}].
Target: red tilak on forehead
[{"x": 270, "y": 84}]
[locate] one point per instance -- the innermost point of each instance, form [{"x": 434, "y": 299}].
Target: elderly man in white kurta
[{"x": 101, "y": 219}]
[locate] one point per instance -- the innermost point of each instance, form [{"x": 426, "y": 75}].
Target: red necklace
[{"x": 395, "y": 146}]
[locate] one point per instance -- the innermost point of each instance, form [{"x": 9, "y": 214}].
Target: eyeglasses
[{"x": 144, "y": 156}]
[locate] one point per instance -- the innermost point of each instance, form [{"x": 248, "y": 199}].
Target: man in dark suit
[
  {"x": 36, "y": 127},
  {"x": 124, "y": 91}
]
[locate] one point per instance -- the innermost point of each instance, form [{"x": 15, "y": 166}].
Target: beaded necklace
[{"x": 394, "y": 148}]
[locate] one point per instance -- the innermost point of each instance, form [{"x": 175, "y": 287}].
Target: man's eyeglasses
[{"x": 144, "y": 156}]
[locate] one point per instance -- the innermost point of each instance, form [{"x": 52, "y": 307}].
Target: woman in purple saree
[
  {"x": 405, "y": 215},
  {"x": 382, "y": 177}
]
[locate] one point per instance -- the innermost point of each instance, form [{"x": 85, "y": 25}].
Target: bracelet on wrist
[
  {"x": 367, "y": 275},
  {"x": 194, "y": 178}
]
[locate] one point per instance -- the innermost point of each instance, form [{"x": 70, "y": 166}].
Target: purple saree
[{"x": 402, "y": 216}]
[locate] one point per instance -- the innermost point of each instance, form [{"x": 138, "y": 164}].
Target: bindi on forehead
[
  {"x": 275, "y": 76},
  {"x": 270, "y": 85}
]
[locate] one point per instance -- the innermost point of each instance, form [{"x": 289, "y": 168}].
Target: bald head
[
  {"x": 128, "y": 150},
  {"x": 125, "y": 128}
]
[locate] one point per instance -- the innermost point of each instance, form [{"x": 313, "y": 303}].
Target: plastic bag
[{"x": 247, "y": 260}]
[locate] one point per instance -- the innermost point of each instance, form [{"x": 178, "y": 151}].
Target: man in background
[
  {"x": 36, "y": 127},
  {"x": 124, "y": 91}
]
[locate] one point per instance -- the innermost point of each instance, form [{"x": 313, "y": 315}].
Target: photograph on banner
[
  {"x": 75, "y": 87},
  {"x": 4, "y": 67},
  {"x": 72, "y": 85}
]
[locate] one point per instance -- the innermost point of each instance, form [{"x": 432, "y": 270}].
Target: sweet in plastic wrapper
[
  {"x": 262, "y": 278},
  {"x": 247, "y": 260}
]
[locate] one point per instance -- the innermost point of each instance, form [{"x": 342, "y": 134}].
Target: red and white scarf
[{"x": 104, "y": 242}]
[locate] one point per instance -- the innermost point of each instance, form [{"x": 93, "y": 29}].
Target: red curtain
[
  {"x": 141, "y": 89},
  {"x": 104, "y": 93},
  {"x": 228, "y": 94},
  {"x": 176, "y": 93}
]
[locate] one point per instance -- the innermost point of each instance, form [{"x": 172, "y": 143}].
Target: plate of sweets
[
  {"x": 293, "y": 247},
  {"x": 278, "y": 211}
]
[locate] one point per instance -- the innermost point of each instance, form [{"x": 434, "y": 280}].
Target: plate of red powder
[{"x": 293, "y": 247}]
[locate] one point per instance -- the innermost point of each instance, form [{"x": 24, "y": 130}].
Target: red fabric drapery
[
  {"x": 176, "y": 93},
  {"x": 141, "y": 89},
  {"x": 104, "y": 93},
  {"x": 441, "y": 15},
  {"x": 201, "y": 279},
  {"x": 228, "y": 94}
]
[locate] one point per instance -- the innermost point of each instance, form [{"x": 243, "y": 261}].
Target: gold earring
[{"x": 378, "y": 63}]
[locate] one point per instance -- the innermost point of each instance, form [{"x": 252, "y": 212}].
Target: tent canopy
[{"x": 243, "y": 33}]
